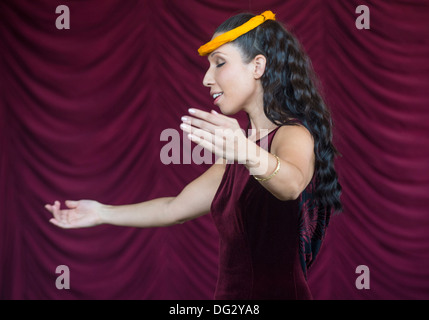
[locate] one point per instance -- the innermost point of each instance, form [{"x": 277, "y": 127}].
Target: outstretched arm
[{"x": 194, "y": 201}]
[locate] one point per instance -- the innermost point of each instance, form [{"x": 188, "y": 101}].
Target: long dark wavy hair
[{"x": 291, "y": 94}]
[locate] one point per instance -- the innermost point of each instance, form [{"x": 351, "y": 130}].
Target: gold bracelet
[{"x": 273, "y": 174}]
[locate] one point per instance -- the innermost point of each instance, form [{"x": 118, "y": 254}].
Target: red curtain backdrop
[{"x": 82, "y": 111}]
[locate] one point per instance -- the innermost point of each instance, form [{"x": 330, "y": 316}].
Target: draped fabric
[{"x": 84, "y": 114}]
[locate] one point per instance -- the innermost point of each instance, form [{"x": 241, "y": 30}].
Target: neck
[{"x": 260, "y": 125}]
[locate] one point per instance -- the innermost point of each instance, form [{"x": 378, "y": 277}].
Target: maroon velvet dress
[{"x": 259, "y": 239}]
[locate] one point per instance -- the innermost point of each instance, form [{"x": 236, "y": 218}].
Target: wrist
[
  {"x": 272, "y": 174},
  {"x": 252, "y": 162},
  {"x": 257, "y": 160},
  {"x": 252, "y": 158},
  {"x": 104, "y": 214}
]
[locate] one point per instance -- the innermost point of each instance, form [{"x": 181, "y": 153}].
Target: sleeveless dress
[{"x": 264, "y": 243}]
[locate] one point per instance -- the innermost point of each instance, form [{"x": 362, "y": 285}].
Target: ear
[{"x": 259, "y": 63}]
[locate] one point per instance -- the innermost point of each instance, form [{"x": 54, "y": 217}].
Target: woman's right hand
[{"x": 80, "y": 214}]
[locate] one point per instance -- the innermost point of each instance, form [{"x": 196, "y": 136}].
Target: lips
[{"x": 216, "y": 96}]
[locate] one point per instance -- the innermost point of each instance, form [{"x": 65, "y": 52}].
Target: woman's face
[{"x": 232, "y": 82}]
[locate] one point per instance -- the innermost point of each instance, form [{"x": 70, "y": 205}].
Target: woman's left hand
[{"x": 219, "y": 134}]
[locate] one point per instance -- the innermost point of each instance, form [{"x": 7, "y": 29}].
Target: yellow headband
[{"x": 235, "y": 33}]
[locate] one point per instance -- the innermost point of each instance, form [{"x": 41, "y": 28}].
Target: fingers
[
  {"x": 69, "y": 203},
  {"x": 51, "y": 208},
  {"x": 200, "y": 118},
  {"x": 220, "y": 139},
  {"x": 214, "y": 143},
  {"x": 197, "y": 132},
  {"x": 206, "y": 139},
  {"x": 72, "y": 204},
  {"x": 199, "y": 123},
  {"x": 59, "y": 223},
  {"x": 210, "y": 121},
  {"x": 57, "y": 212},
  {"x": 60, "y": 216},
  {"x": 204, "y": 124}
]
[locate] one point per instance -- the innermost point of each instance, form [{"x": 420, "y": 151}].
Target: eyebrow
[{"x": 212, "y": 54}]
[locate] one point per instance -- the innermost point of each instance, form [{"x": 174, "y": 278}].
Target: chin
[{"x": 228, "y": 111}]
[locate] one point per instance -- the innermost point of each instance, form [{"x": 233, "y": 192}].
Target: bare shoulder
[
  {"x": 292, "y": 136},
  {"x": 295, "y": 145}
]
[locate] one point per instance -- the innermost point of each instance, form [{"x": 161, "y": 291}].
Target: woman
[{"x": 272, "y": 203}]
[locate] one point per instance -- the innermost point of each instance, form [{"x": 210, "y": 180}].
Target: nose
[{"x": 208, "y": 80}]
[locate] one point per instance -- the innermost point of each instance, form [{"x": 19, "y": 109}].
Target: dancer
[{"x": 271, "y": 200}]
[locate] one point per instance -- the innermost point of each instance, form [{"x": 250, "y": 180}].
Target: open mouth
[{"x": 216, "y": 96}]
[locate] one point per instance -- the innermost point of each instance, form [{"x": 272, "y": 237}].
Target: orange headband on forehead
[{"x": 235, "y": 33}]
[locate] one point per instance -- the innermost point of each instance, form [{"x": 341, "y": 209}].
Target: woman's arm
[
  {"x": 294, "y": 146},
  {"x": 194, "y": 201}
]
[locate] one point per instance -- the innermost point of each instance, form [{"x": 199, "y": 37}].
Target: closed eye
[{"x": 220, "y": 65}]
